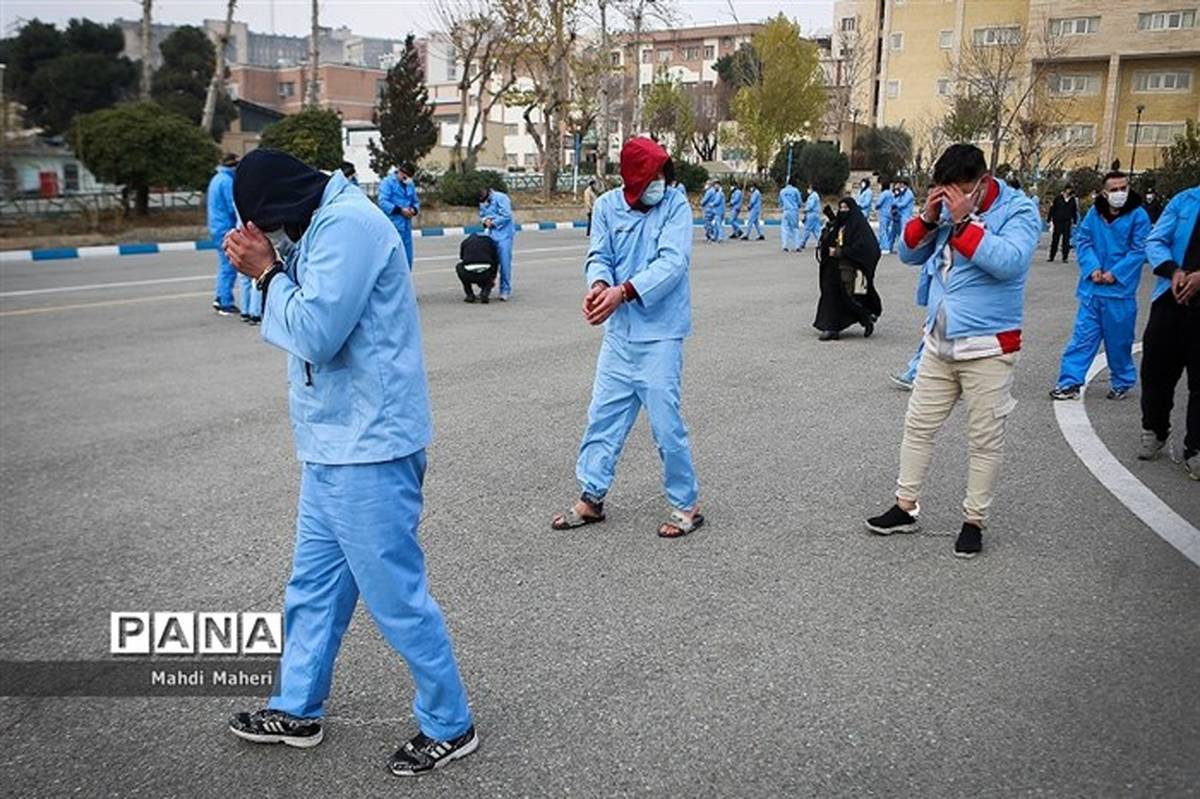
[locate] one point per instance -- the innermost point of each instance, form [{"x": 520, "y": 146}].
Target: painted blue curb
[
  {"x": 206, "y": 244},
  {"x": 54, "y": 254},
  {"x": 137, "y": 249},
  {"x": 547, "y": 226},
  {"x": 579, "y": 223},
  {"x": 469, "y": 229},
  {"x": 432, "y": 231}
]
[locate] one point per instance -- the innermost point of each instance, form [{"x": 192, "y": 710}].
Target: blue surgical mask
[{"x": 654, "y": 192}]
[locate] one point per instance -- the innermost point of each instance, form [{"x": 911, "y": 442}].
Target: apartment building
[
  {"x": 351, "y": 91},
  {"x": 1095, "y": 65}
]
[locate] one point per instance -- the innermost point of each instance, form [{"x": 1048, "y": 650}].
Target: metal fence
[{"x": 95, "y": 202}]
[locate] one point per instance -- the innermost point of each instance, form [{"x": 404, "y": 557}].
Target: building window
[
  {"x": 849, "y": 24},
  {"x": 512, "y": 159},
  {"x": 451, "y": 64},
  {"x": 380, "y": 86},
  {"x": 287, "y": 88},
  {"x": 1167, "y": 20},
  {"x": 896, "y": 41},
  {"x": 1169, "y": 81},
  {"x": 1160, "y": 133},
  {"x": 990, "y": 37},
  {"x": 1082, "y": 134},
  {"x": 943, "y": 87},
  {"x": 531, "y": 159},
  {"x": 70, "y": 176},
  {"x": 710, "y": 52},
  {"x": 664, "y": 56},
  {"x": 893, "y": 89},
  {"x": 647, "y": 56},
  {"x": 691, "y": 54},
  {"x": 614, "y": 58},
  {"x": 1074, "y": 84},
  {"x": 1074, "y": 26},
  {"x": 512, "y": 129},
  {"x": 945, "y": 39}
]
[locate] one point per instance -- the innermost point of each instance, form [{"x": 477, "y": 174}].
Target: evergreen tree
[
  {"x": 406, "y": 127},
  {"x": 181, "y": 83}
]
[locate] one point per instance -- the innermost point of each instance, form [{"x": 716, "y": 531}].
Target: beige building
[{"x": 1084, "y": 67}]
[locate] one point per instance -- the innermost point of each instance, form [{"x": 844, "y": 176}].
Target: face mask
[
  {"x": 654, "y": 192},
  {"x": 1117, "y": 199},
  {"x": 1150, "y": 196}
]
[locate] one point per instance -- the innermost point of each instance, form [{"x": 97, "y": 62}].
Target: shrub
[
  {"x": 824, "y": 166},
  {"x": 692, "y": 176},
  {"x": 462, "y": 188},
  {"x": 778, "y": 168}
]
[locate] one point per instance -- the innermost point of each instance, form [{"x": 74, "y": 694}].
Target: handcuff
[{"x": 262, "y": 281}]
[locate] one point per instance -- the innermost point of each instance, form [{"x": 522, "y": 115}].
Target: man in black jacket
[{"x": 1064, "y": 212}]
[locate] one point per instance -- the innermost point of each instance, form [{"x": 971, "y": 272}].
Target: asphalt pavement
[{"x": 146, "y": 464}]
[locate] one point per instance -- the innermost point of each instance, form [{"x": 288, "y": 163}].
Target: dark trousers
[
  {"x": 589, "y": 226},
  {"x": 1170, "y": 345},
  {"x": 1060, "y": 231},
  {"x": 485, "y": 280}
]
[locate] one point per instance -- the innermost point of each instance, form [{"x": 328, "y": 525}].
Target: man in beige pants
[{"x": 984, "y": 234}]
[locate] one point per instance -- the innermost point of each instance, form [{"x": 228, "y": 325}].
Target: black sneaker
[
  {"x": 254, "y": 320},
  {"x": 225, "y": 310},
  {"x": 896, "y": 520},
  {"x": 276, "y": 727},
  {"x": 1065, "y": 393},
  {"x": 423, "y": 754},
  {"x": 469, "y": 298},
  {"x": 1117, "y": 393},
  {"x": 969, "y": 542}
]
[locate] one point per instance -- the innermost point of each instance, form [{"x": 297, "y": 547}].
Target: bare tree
[
  {"x": 218, "y": 77},
  {"x": 147, "y": 7},
  {"x": 852, "y": 64},
  {"x": 480, "y": 35},
  {"x": 710, "y": 107},
  {"x": 999, "y": 69},
  {"x": 312, "y": 95},
  {"x": 603, "y": 132},
  {"x": 638, "y": 14},
  {"x": 548, "y": 38}
]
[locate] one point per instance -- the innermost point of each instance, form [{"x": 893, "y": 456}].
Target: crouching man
[
  {"x": 343, "y": 309},
  {"x": 984, "y": 234}
]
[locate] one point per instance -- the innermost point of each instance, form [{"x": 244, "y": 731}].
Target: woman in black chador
[{"x": 848, "y": 254}]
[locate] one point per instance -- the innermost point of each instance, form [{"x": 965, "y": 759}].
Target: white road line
[
  {"x": 184, "y": 279},
  {"x": 1073, "y": 420}
]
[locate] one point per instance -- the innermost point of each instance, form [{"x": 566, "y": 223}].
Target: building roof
[
  {"x": 696, "y": 32},
  {"x": 262, "y": 109}
]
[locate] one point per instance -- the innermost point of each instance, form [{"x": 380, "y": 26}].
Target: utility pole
[
  {"x": 603, "y": 133},
  {"x": 218, "y": 76},
  {"x": 145, "y": 88},
  {"x": 314, "y": 55}
]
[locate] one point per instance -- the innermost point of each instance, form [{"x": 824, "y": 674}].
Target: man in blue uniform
[
  {"x": 222, "y": 218},
  {"x": 902, "y": 210},
  {"x": 883, "y": 206},
  {"x": 495, "y": 211},
  {"x": 812, "y": 216},
  {"x": 708, "y": 210},
  {"x": 398, "y": 199},
  {"x": 1110, "y": 247},
  {"x": 343, "y": 309},
  {"x": 754, "y": 231},
  {"x": 718, "y": 211},
  {"x": 864, "y": 197},
  {"x": 789, "y": 213},
  {"x": 637, "y": 274},
  {"x": 735, "y": 207}
]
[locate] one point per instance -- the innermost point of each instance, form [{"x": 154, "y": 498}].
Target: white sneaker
[{"x": 1152, "y": 446}]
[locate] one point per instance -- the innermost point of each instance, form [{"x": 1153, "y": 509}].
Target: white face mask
[
  {"x": 1116, "y": 199},
  {"x": 654, "y": 193}
]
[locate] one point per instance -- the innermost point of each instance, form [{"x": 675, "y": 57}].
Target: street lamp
[{"x": 1137, "y": 134}]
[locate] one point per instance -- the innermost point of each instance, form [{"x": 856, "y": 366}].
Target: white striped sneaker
[
  {"x": 423, "y": 754},
  {"x": 276, "y": 727}
]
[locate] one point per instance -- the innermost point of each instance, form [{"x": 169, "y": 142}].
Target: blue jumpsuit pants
[
  {"x": 893, "y": 234},
  {"x": 753, "y": 226},
  {"x": 630, "y": 375},
  {"x": 910, "y": 372},
  {"x": 736, "y": 224},
  {"x": 226, "y": 276},
  {"x": 789, "y": 231},
  {"x": 812, "y": 227},
  {"x": 404, "y": 228},
  {"x": 504, "y": 247},
  {"x": 356, "y": 532},
  {"x": 885, "y": 231},
  {"x": 249, "y": 298},
  {"x": 1110, "y": 320}
]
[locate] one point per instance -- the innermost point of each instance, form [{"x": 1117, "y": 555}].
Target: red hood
[{"x": 641, "y": 160}]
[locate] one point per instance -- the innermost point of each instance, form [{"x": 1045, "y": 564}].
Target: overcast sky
[{"x": 389, "y": 18}]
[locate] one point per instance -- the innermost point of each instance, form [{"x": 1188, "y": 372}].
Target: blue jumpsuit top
[
  {"x": 864, "y": 201},
  {"x": 884, "y": 204},
  {"x": 1168, "y": 241},
  {"x": 498, "y": 208},
  {"x": 1118, "y": 246},
  {"x": 789, "y": 201},
  {"x": 346, "y": 313},
  {"x": 706, "y": 200},
  {"x": 394, "y": 195},
  {"x": 718, "y": 202},
  {"x": 652, "y": 250},
  {"x": 904, "y": 204},
  {"x": 755, "y": 202},
  {"x": 735, "y": 201},
  {"x": 222, "y": 214},
  {"x": 983, "y": 294},
  {"x": 812, "y": 207}
]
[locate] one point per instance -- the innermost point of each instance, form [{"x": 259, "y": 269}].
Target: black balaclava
[{"x": 273, "y": 189}]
